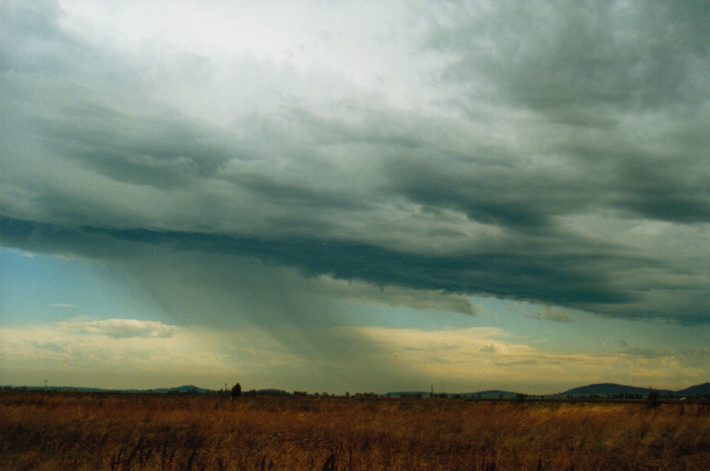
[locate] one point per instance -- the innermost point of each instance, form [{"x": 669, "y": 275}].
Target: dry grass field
[{"x": 84, "y": 431}]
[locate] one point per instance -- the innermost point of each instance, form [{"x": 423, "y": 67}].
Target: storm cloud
[{"x": 558, "y": 154}]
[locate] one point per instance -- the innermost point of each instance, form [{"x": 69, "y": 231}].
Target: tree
[
  {"x": 653, "y": 399},
  {"x": 236, "y": 390}
]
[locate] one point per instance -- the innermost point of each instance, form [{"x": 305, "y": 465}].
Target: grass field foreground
[{"x": 101, "y": 431}]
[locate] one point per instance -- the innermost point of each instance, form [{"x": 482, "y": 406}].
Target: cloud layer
[
  {"x": 119, "y": 328},
  {"x": 557, "y": 153}
]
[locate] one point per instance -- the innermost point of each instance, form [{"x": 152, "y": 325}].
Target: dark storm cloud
[
  {"x": 154, "y": 151},
  {"x": 538, "y": 273},
  {"x": 633, "y": 73},
  {"x": 578, "y": 176},
  {"x": 573, "y": 58},
  {"x": 495, "y": 193},
  {"x": 56, "y": 87}
]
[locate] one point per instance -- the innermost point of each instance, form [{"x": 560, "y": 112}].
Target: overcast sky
[{"x": 340, "y": 195}]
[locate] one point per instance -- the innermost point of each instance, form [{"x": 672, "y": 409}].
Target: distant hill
[
  {"x": 186, "y": 389},
  {"x": 697, "y": 390},
  {"x": 605, "y": 389}
]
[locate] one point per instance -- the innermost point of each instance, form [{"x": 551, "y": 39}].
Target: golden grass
[{"x": 72, "y": 431}]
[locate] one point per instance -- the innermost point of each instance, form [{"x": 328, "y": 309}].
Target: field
[{"x": 101, "y": 431}]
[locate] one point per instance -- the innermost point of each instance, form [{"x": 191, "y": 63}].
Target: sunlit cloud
[
  {"x": 456, "y": 360},
  {"x": 119, "y": 328}
]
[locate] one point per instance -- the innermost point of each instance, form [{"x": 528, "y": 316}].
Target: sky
[{"x": 355, "y": 196}]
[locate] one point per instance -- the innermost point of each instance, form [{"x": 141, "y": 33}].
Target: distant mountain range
[
  {"x": 611, "y": 389},
  {"x": 697, "y": 390},
  {"x": 620, "y": 390},
  {"x": 602, "y": 390}
]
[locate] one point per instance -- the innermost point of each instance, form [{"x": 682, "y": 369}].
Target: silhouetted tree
[{"x": 236, "y": 390}]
